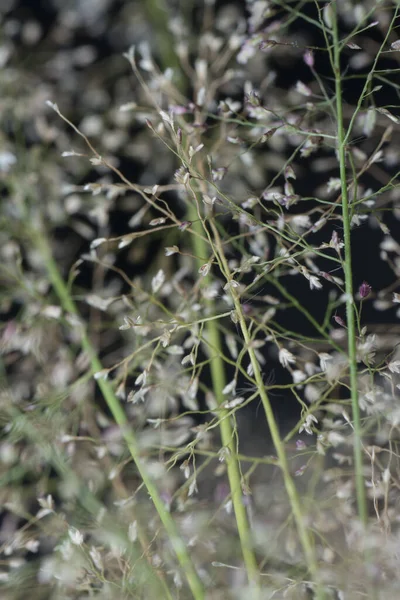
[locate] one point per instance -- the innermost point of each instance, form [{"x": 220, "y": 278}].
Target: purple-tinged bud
[
  {"x": 364, "y": 290},
  {"x": 326, "y": 276},
  {"x": 184, "y": 225},
  {"x": 247, "y": 308},
  {"x": 339, "y": 321},
  {"x": 178, "y": 110},
  {"x": 267, "y": 44},
  {"x": 300, "y": 445},
  {"x": 308, "y": 58},
  {"x": 246, "y": 499},
  {"x": 300, "y": 471}
]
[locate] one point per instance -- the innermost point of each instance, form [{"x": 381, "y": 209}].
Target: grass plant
[{"x": 145, "y": 448}]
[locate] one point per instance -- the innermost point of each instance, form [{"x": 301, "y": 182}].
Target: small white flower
[
  {"x": 175, "y": 350},
  {"x": 230, "y": 387},
  {"x": 96, "y": 558},
  {"x": 178, "y": 580},
  {"x": 234, "y": 402},
  {"x": 138, "y": 396},
  {"x": 103, "y": 374},
  {"x": 231, "y": 285},
  {"x": 128, "y": 106},
  {"x": 193, "y": 388},
  {"x": 201, "y": 96},
  {"x": 328, "y": 15},
  {"x": 335, "y": 438},
  {"x": 53, "y": 105},
  {"x": 303, "y": 89},
  {"x": 311, "y": 393},
  {"x": 132, "y": 531},
  {"x": 7, "y": 160},
  {"x": 298, "y": 376},
  {"x": 205, "y": 269},
  {"x": 47, "y": 506},
  {"x": 232, "y": 345},
  {"x": 186, "y": 469},
  {"x": 318, "y": 224},
  {"x": 76, "y": 536},
  {"x": 32, "y": 545},
  {"x": 286, "y": 357},
  {"x": 158, "y": 221},
  {"x": 223, "y": 454},
  {"x": 386, "y": 476},
  {"x": 334, "y": 184},
  {"x": 52, "y": 312},
  {"x": 157, "y": 281},
  {"x": 125, "y": 241},
  {"x": 310, "y": 419},
  {"x": 165, "y": 338},
  {"x": 366, "y": 350},
  {"x": 315, "y": 282},
  {"x": 166, "y": 118},
  {"x": 169, "y": 250},
  {"x": 300, "y": 222},
  {"x": 142, "y": 378},
  {"x": 389, "y": 244},
  {"x": 193, "y": 151},
  {"x": 394, "y": 366},
  {"x": 323, "y": 358},
  {"x": 188, "y": 359},
  {"x": 97, "y": 242},
  {"x": 228, "y": 506},
  {"x": 193, "y": 488},
  {"x": 209, "y": 201}
]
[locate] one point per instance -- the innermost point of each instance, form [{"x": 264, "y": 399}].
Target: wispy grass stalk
[
  {"x": 87, "y": 498},
  {"x": 348, "y": 274},
  {"x": 113, "y": 403},
  {"x": 217, "y": 368},
  {"x": 306, "y": 539},
  {"x": 218, "y": 379}
]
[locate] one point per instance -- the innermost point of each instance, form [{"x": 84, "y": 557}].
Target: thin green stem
[
  {"x": 348, "y": 274},
  {"x": 227, "y": 435},
  {"x": 118, "y": 413},
  {"x": 85, "y": 497},
  {"x": 304, "y": 534}
]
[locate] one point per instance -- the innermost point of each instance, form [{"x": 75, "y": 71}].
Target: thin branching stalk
[
  {"x": 348, "y": 274},
  {"x": 200, "y": 248},
  {"x": 118, "y": 413},
  {"x": 306, "y": 539},
  {"x": 87, "y": 499},
  {"x": 227, "y": 435}
]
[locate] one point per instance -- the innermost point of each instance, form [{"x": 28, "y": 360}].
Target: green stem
[
  {"x": 200, "y": 248},
  {"x": 304, "y": 535},
  {"x": 85, "y": 497},
  {"x": 118, "y": 413},
  {"x": 350, "y": 313}
]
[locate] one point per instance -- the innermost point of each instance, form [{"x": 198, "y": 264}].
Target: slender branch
[
  {"x": 227, "y": 435},
  {"x": 348, "y": 273},
  {"x": 304, "y": 535},
  {"x": 118, "y": 413}
]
